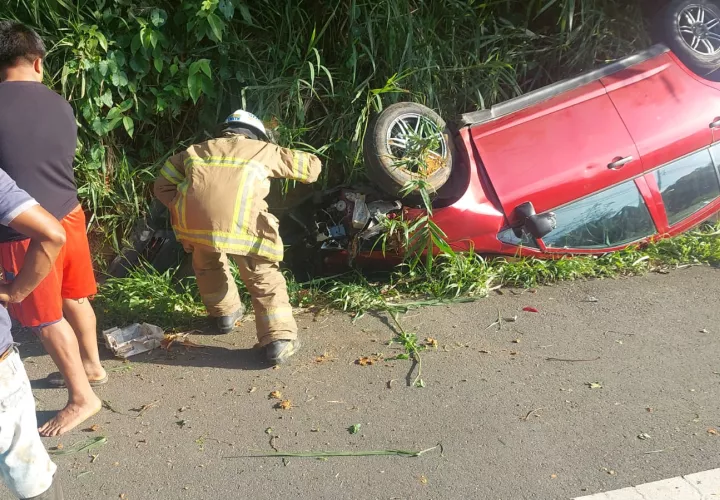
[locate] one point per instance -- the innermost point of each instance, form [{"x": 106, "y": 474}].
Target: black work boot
[
  {"x": 54, "y": 492},
  {"x": 280, "y": 351},
  {"x": 226, "y": 324}
]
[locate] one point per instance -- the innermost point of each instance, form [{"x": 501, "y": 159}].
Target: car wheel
[
  {"x": 405, "y": 142},
  {"x": 691, "y": 28}
]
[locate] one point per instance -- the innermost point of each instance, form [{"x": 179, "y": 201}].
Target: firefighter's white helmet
[{"x": 243, "y": 118}]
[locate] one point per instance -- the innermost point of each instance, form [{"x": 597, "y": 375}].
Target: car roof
[{"x": 550, "y": 91}]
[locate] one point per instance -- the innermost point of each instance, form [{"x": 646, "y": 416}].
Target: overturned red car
[{"x": 611, "y": 158}]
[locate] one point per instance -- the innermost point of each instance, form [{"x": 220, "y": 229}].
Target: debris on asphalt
[
  {"x": 284, "y": 405},
  {"x": 140, "y": 411},
  {"x": 178, "y": 338},
  {"x": 713, "y": 432},
  {"x": 704, "y": 330},
  {"x": 643, "y": 436},
  {"x": 275, "y": 395},
  {"x": 431, "y": 342},
  {"x": 530, "y": 413},
  {"x": 92, "y": 428},
  {"x": 365, "y": 361},
  {"x": 530, "y": 309},
  {"x": 85, "y": 445},
  {"x": 354, "y": 429},
  {"x": 134, "y": 339},
  {"x": 326, "y": 454},
  {"x": 591, "y": 299},
  {"x": 252, "y": 389},
  {"x": 594, "y": 385},
  {"x": 182, "y": 423},
  {"x": 572, "y": 360}
]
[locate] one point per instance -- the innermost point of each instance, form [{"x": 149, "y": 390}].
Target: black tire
[
  {"x": 380, "y": 160},
  {"x": 668, "y": 26}
]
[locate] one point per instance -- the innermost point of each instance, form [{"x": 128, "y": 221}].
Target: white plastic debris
[{"x": 134, "y": 339}]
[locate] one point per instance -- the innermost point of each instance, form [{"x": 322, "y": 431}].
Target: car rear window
[
  {"x": 687, "y": 185},
  {"x": 610, "y": 218}
]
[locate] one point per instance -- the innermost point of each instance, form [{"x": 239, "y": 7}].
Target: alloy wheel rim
[
  {"x": 410, "y": 127},
  {"x": 700, "y": 29}
]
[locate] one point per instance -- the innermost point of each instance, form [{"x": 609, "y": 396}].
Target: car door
[
  {"x": 557, "y": 151},
  {"x": 668, "y": 112}
]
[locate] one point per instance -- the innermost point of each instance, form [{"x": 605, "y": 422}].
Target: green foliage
[
  {"x": 148, "y": 296},
  {"x": 147, "y": 77}
]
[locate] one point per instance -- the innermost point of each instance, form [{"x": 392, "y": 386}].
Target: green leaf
[
  {"x": 129, "y": 125},
  {"x": 216, "y": 25},
  {"x": 201, "y": 65},
  {"x": 195, "y": 87},
  {"x": 227, "y": 8},
  {"x": 245, "y": 13},
  {"x": 354, "y": 429},
  {"x": 158, "y": 17},
  {"x": 158, "y": 63},
  {"x": 107, "y": 98},
  {"x": 102, "y": 41},
  {"x": 126, "y": 105},
  {"x": 119, "y": 79},
  {"x": 173, "y": 69},
  {"x": 103, "y": 67},
  {"x": 136, "y": 43}
]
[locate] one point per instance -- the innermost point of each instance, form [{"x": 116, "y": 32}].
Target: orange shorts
[{"x": 71, "y": 278}]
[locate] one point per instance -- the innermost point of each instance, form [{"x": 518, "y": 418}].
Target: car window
[
  {"x": 687, "y": 185},
  {"x": 508, "y": 236},
  {"x": 610, "y": 218}
]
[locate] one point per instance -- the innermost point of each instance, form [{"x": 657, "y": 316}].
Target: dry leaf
[
  {"x": 93, "y": 428},
  {"x": 713, "y": 432},
  {"x": 365, "y": 361},
  {"x": 594, "y": 385},
  {"x": 252, "y": 389},
  {"x": 284, "y": 405},
  {"x": 275, "y": 395},
  {"x": 516, "y": 341},
  {"x": 322, "y": 358},
  {"x": 513, "y": 353},
  {"x": 423, "y": 479},
  {"x": 431, "y": 342}
]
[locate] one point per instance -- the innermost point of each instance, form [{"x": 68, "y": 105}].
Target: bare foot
[{"x": 70, "y": 417}]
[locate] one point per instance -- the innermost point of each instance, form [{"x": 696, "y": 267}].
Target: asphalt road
[{"x": 612, "y": 383}]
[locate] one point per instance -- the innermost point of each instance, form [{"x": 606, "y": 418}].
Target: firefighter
[{"x": 215, "y": 192}]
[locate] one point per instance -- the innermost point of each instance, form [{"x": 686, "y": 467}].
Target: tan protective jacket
[{"x": 216, "y": 193}]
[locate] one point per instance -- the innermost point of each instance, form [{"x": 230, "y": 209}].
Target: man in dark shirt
[
  {"x": 24, "y": 464},
  {"x": 38, "y": 136}
]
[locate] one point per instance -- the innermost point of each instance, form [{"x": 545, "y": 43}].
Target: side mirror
[
  {"x": 540, "y": 225},
  {"x": 527, "y": 220}
]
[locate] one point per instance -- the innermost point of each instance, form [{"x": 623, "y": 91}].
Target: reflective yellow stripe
[
  {"x": 274, "y": 315},
  {"x": 171, "y": 173},
  {"x": 240, "y": 243}
]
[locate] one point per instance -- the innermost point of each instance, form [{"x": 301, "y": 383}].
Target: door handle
[
  {"x": 716, "y": 123},
  {"x": 617, "y": 164}
]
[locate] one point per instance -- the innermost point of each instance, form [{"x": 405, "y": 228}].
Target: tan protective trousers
[{"x": 263, "y": 279}]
